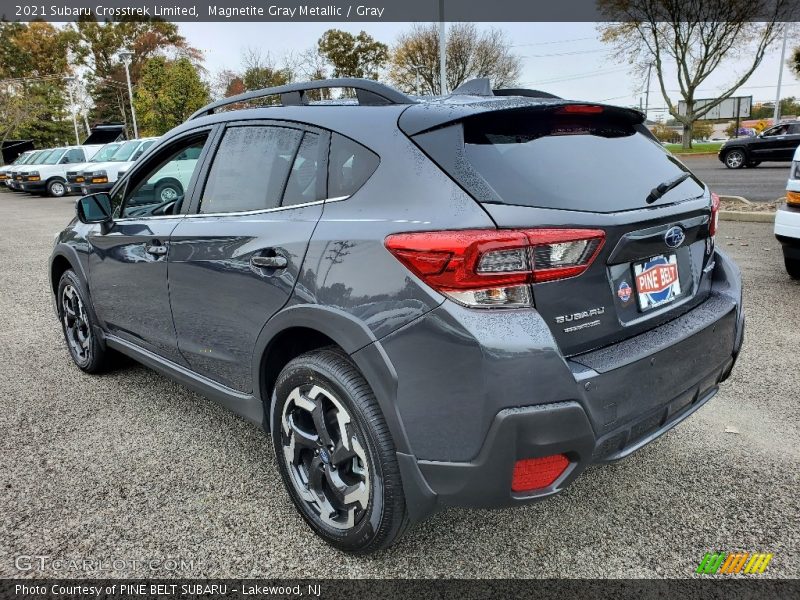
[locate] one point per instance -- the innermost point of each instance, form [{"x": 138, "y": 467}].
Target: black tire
[
  {"x": 173, "y": 188},
  {"x": 78, "y": 325},
  {"x": 56, "y": 188},
  {"x": 792, "y": 267},
  {"x": 328, "y": 381},
  {"x": 735, "y": 158}
]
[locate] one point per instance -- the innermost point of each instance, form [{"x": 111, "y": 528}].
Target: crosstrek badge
[{"x": 657, "y": 281}]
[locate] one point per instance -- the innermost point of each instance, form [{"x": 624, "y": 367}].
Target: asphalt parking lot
[
  {"x": 763, "y": 183},
  {"x": 132, "y": 466}
]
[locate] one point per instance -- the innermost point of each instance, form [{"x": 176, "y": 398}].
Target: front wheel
[
  {"x": 77, "y": 324},
  {"x": 792, "y": 267},
  {"x": 168, "y": 191},
  {"x": 57, "y": 188},
  {"x": 735, "y": 159},
  {"x": 335, "y": 453}
]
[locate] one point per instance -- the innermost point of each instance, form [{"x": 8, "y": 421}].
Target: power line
[
  {"x": 575, "y": 77},
  {"x": 570, "y": 53},
  {"x": 554, "y": 42}
]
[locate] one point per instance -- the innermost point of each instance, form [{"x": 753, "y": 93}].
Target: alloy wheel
[
  {"x": 324, "y": 456},
  {"x": 76, "y": 324},
  {"x": 168, "y": 194},
  {"x": 734, "y": 159}
]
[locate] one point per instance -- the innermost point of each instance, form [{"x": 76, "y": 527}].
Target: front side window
[
  {"x": 250, "y": 169},
  {"x": 141, "y": 149},
  {"x": 160, "y": 187},
  {"x": 349, "y": 166},
  {"x": 106, "y": 152},
  {"x": 74, "y": 155}
]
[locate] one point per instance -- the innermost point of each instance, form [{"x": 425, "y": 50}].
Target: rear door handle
[
  {"x": 269, "y": 262},
  {"x": 156, "y": 250}
]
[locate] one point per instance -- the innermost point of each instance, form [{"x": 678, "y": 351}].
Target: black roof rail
[
  {"x": 368, "y": 92},
  {"x": 526, "y": 93}
]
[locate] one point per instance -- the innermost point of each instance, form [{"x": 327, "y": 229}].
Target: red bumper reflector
[{"x": 536, "y": 473}]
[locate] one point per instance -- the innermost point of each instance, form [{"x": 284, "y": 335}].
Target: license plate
[{"x": 657, "y": 281}]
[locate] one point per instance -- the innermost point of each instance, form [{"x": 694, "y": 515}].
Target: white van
[{"x": 787, "y": 220}]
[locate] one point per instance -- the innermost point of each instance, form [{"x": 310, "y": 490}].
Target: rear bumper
[{"x": 598, "y": 407}]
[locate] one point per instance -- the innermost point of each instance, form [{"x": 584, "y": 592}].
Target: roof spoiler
[{"x": 481, "y": 86}]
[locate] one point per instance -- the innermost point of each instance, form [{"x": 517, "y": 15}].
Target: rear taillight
[
  {"x": 495, "y": 267},
  {"x": 714, "y": 223},
  {"x": 537, "y": 473}
]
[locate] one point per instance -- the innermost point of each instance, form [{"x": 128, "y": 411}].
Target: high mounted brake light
[
  {"x": 495, "y": 267},
  {"x": 580, "y": 109}
]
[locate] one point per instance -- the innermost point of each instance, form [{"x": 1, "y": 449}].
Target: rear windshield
[{"x": 575, "y": 162}]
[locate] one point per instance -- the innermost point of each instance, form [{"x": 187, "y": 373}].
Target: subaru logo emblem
[{"x": 674, "y": 237}]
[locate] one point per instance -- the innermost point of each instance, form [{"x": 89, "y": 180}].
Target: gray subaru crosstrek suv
[{"x": 429, "y": 302}]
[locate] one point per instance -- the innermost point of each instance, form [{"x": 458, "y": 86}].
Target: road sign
[{"x": 736, "y": 107}]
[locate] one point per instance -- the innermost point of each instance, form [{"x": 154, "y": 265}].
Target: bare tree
[
  {"x": 470, "y": 53},
  {"x": 693, "y": 38}
]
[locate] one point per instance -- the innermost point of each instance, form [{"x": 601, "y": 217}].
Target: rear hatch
[{"x": 577, "y": 166}]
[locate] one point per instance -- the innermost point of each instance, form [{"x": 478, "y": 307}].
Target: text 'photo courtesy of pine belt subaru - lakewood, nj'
[{"x": 428, "y": 301}]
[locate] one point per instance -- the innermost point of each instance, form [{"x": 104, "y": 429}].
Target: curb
[
  {"x": 741, "y": 199},
  {"x": 690, "y": 154},
  {"x": 746, "y": 217}
]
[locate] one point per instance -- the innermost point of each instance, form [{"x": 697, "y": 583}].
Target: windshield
[
  {"x": 126, "y": 151},
  {"x": 54, "y": 157},
  {"x": 38, "y": 157},
  {"x": 106, "y": 152},
  {"x": 22, "y": 158}
]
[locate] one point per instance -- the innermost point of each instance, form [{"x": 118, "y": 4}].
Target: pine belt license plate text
[{"x": 657, "y": 281}]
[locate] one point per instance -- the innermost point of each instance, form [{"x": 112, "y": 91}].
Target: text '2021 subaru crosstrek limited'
[{"x": 453, "y": 301}]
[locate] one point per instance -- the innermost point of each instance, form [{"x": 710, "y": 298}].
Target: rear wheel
[
  {"x": 792, "y": 267},
  {"x": 335, "y": 453},
  {"x": 56, "y": 188},
  {"x": 77, "y": 323},
  {"x": 168, "y": 191},
  {"x": 735, "y": 159}
]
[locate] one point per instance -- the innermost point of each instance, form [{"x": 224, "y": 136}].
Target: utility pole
[
  {"x": 777, "y": 113},
  {"x": 72, "y": 110},
  {"x": 126, "y": 56},
  {"x": 647, "y": 92},
  {"x": 442, "y": 50}
]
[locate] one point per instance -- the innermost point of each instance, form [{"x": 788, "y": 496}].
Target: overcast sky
[{"x": 566, "y": 59}]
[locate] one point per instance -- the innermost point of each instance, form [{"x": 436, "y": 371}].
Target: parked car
[
  {"x": 776, "y": 143},
  {"x": 19, "y": 161},
  {"x": 75, "y": 172},
  {"x": 787, "y": 221},
  {"x": 14, "y": 180},
  {"x": 101, "y": 177},
  {"x": 50, "y": 176},
  {"x": 459, "y": 301}
]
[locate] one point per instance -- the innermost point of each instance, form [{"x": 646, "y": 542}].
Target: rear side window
[
  {"x": 349, "y": 166},
  {"x": 250, "y": 169},
  {"x": 540, "y": 158},
  {"x": 304, "y": 183}
]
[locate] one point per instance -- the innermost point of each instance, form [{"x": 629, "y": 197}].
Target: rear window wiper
[{"x": 662, "y": 188}]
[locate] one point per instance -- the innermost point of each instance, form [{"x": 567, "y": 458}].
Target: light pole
[
  {"x": 442, "y": 50},
  {"x": 72, "y": 110},
  {"x": 777, "y": 113},
  {"x": 126, "y": 56}
]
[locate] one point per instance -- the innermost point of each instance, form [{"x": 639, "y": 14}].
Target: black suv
[
  {"x": 463, "y": 300},
  {"x": 776, "y": 144}
]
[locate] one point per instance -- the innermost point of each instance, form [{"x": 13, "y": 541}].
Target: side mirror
[{"x": 95, "y": 208}]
